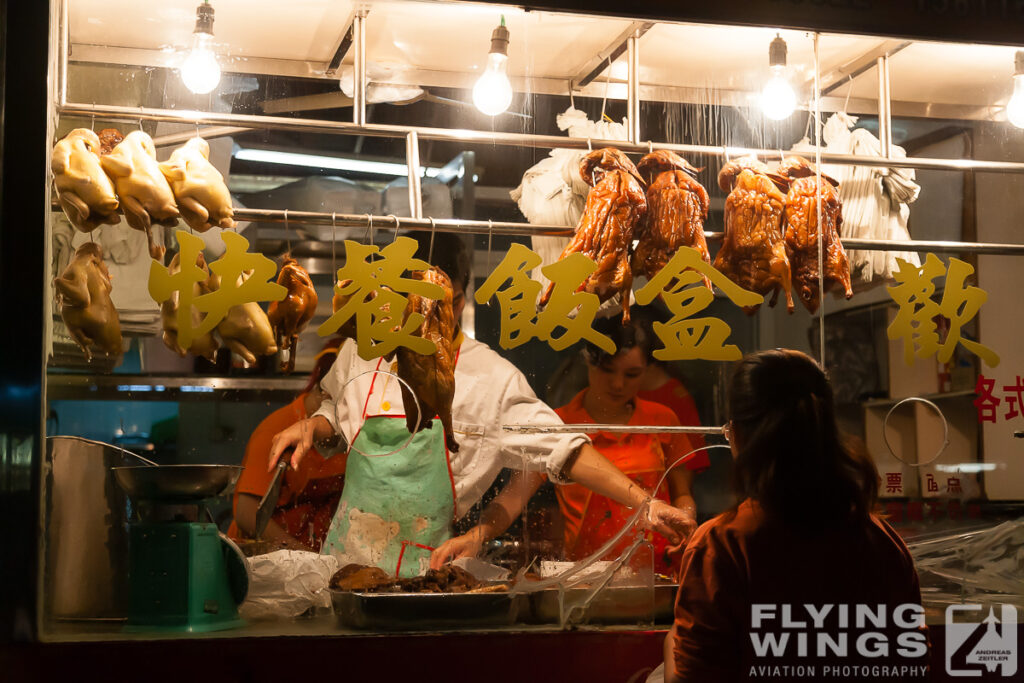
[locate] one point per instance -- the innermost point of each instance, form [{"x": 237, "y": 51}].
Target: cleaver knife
[{"x": 269, "y": 500}]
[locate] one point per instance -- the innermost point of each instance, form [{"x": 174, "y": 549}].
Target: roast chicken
[
  {"x": 83, "y": 294},
  {"x": 205, "y": 345},
  {"x": 109, "y": 139},
  {"x": 245, "y": 329},
  {"x": 290, "y": 316},
  {"x": 198, "y": 187},
  {"x": 615, "y": 205},
  {"x": 431, "y": 378},
  {"x": 84, "y": 191},
  {"x": 802, "y": 232},
  {"x": 753, "y": 253},
  {"x": 145, "y": 196},
  {"x": 677, "y": 206}
]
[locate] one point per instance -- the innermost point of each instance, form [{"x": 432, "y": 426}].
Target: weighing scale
[{"x": 183, "y": 574}]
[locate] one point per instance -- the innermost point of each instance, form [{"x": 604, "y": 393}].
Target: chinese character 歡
[
  {"x": 894, "y": 482},
  {"x": 370, "y": 293},
  {"x": 914, "y": 322},
  {"x": 521, "y": 322},
  {"x": 681, "y": 286},
  {"x": 986, "y": 402}
]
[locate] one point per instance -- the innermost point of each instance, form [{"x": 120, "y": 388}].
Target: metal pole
[
  {"x": 821, "y": 242},
  {"x": 884, "y": 107},
  {"x": 359, "y": 68},
  {"x": 412, "y": 160},
  {"x": 134, "y": 114},
  {"x": 64, "y": 48},
  {"x": 633, "y": 97}
]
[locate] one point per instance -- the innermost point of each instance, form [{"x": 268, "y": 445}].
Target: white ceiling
[{"x": 453, "y": 39}]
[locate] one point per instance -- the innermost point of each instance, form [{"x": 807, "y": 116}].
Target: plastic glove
[
  {"x": 674, "y": 524},
  {"x": 467, "y": 545}
]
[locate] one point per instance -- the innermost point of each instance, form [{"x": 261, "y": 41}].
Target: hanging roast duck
[
  {"x": 83, "y": 294},
  {"x": 84, "y": 190}
]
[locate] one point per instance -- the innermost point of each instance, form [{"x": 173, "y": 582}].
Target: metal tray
[
  {"x": 426, "y": 611},
  {"x": 613, "y": 605}
]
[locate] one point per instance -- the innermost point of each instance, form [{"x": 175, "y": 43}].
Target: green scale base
[{"x": 183, "y": 578}]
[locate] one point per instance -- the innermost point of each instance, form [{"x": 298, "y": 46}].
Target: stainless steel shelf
[
  {"x": 116, "y": 387},
  {"x": 886, "y": 402},
  {"x": 613, "y": 429},
  {"x": 138, "y": 114}
]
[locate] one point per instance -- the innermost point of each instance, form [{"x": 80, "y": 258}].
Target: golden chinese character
[
  {"x": 521, "y": 321},
  {"x": 369, "y": 292},
  {"x": 162, "y": 285},
  {"x": 915, "y": 320},
  {"x": 681, "y": 286}
]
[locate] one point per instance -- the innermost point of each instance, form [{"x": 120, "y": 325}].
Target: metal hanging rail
[
  {"x": 135, "y": 114},
  {"x": 613, "y": 429},
  {"x": 460, "y": 225}
]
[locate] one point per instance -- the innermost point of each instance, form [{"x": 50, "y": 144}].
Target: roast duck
[
  {"x": 84, "y": 191},
  {"x": 432, "y": 377},
  {"x": 204, "y": 345},
  {"x": 802, "y": 232},
  {"x": 677, "y": 206},
  {"x": 145, "y": 196},
  {"x": 615, "y": 205},
  {"x": 753, "y": 253},
  {"x": 83, "y": 294},
  {"x": 109, "y": 139},
  {"x": 289, "y": 316},
  {"x": 447, "y": 579},
  {"x": 198, "y": 187}
]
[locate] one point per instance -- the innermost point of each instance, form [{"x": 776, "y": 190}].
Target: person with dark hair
[
  {"x": 803, "y": 536},
  {"x": 309, "y": 494},
  {"x": 611, "y": 397},
  {"x": 411, "y": 488}
]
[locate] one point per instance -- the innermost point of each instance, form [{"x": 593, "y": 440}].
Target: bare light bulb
[
  {"x": 1015, "y": 107},
  {"x": 200, "y": 71},
  {"x": 777, "y": 98},
  {"x": 492, "y": 93}
]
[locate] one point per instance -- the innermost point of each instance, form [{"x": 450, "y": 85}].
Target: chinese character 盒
[
  {"x": 681, "y": 286},
  {"x": 369, "y": 292},
  {"x": 520, "y": 320},
  {"x": 986, "y": 402},
  {"x": 914, "y": 322},
  {"x": 894, "y": 482}
]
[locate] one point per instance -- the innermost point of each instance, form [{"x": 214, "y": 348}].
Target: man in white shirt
[{"x": 489, "y": 392}]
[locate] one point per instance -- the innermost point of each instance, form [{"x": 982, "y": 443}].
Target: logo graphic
[{"x": 989, "y": 645}]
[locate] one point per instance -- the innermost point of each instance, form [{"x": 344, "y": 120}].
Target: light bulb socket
[
  {"x": 499, "y": 40},
  {"x": 777, "y": 51},
  {"x": 1018, "y": 63},
  {"x": 204, "y": 19}
]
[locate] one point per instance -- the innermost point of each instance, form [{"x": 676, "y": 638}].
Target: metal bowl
[{"x": 176, "y": 483}]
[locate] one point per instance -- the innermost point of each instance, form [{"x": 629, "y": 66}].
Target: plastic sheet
[{"x": 287, "y": 583}]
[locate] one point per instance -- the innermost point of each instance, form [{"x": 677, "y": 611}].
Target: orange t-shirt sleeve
[{"x": 709, "y": 613}]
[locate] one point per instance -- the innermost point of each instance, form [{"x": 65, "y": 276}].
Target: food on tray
[
  {"x": 84, "y": 190},
  {"x": 753, "y": 253},
  {"x": 447, "y": 579},
  {"x": 431, "y": 378},
  {"x": 802, "y": 232},
  {"x": 290, "y": 316},
  {"x": 245, "y": 329},
  {"x": 145, "y": 196},
  {"x": 198, "y": 187},
  {"x": 677, "y": 206},
  {"x": 83, "y": 294},
  {"x": 615, "y": 205},
  {"x": 205, "y": 345}
]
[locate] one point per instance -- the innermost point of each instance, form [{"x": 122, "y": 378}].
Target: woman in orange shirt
[
  {"x": 309, "y": 495},
  {"x": 611, "y": 398}
]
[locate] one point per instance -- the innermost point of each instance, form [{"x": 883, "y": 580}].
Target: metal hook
[
  {"x": 650, "y": 147},
  {"x": 725, "y": 153},
  {"x": 848, "y": 93},
  {"x": 490, "y": 238},
  {"x": 140, "y": 116},
  {"x": 334, "y": 241},
  {"x": 197, "y": 130},
  {"x": 398, "y": 225},
  {"x": 572, "y": 102},
  {"x": 287, "y": 233},
  {"x": 93, "y": 124},
  {"x": 945, "y": 431},
  {"x": 589, "y": 147},
  {"x": 430, "y": 249}
]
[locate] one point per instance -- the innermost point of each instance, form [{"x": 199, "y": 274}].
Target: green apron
[{"x": 394, "y": 508}]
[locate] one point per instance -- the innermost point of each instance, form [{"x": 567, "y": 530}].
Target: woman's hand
[
  {"x": 299, "y": 436},
  {"x": 673, "y": 523},
  {"x": 467, "y": 545}
]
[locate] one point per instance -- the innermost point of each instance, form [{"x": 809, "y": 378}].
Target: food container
[
  {"x": 612, "y": 605},
  {"x": 426, "y": 611}
]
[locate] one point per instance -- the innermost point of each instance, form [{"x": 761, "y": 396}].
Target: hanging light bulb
[
  {"x": 1015, "y": 107},
  {"x": 777, "y": 98},
  {"x": 200, "y": 71},
  {"x": 492, "y": 93}
]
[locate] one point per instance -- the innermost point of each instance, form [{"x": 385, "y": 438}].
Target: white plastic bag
[{"x": 286, "y": 583}]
